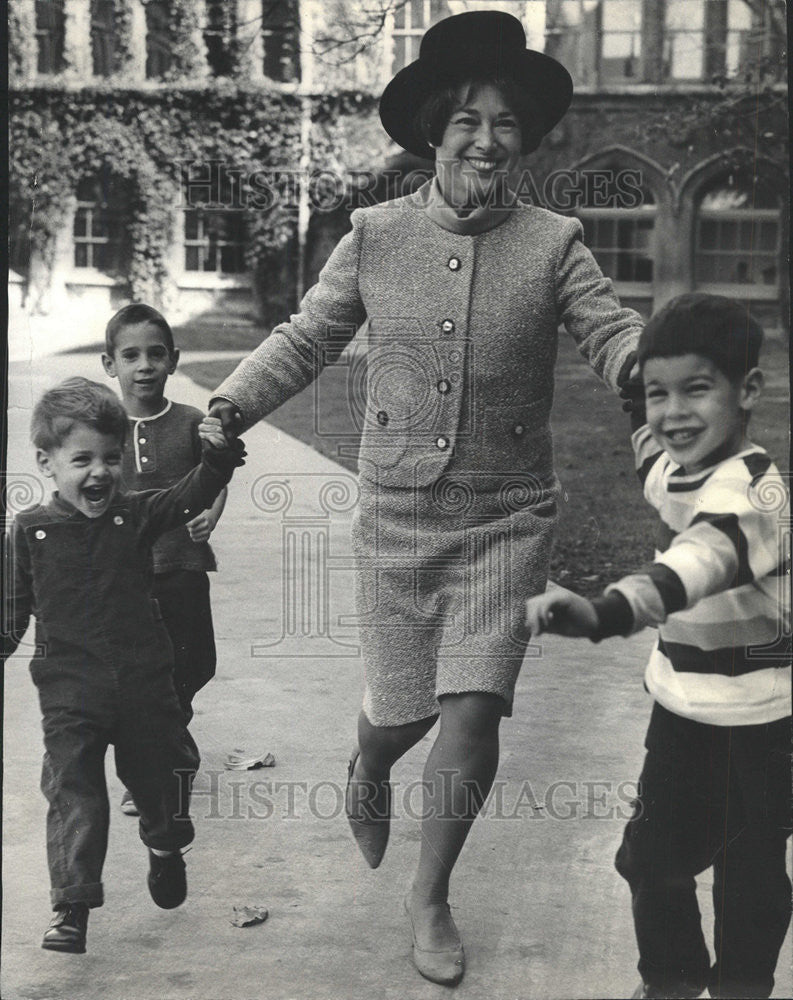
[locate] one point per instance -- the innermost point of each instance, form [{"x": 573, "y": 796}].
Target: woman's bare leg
[{"x": 458, "y": 775}]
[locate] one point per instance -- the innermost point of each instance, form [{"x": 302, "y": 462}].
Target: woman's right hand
[{"x": 229, "y": 416}]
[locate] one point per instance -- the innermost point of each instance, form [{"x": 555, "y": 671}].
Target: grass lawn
[{"x": 606, "y": 528}]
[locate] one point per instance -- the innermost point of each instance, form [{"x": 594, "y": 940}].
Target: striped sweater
[{"x": 718, "y": 590}]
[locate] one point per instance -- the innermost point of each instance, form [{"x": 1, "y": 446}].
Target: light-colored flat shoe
[
  {"x": 446, "y": 967},
  {"x": 370, "y": 823}
]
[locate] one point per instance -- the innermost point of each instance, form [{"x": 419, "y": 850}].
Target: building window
[
  {"x": 411, "y": 20},
  {"x": 707, "y": 38},
  {"x": 622, "y": 239},
  {"x": 214, "y": 233},
  {"x": 220, "y": 36},
  {"x": 158, "y": 45},
  {"x": 103, "y": 37},
  {"x": 100, "y": 232},
  {"x": 281, "y": 39},
  {"x": 620, "y": 41},
  {"x": 738, "y": 241},
  {"x": 50, "y": 35}
]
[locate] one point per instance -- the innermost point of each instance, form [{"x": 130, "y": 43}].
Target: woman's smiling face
[{"x": 481, "y": 145}]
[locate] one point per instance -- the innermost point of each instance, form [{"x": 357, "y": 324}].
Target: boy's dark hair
[
  {"x": 434, "y": 114},
  {"x": 712, "y": 326},
  {"x": 76, "y": 401},
  {"x": 137, "y": 312}
]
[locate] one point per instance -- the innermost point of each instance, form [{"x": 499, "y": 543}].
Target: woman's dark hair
[
  {"x": 131, "y": 315},
  {"x": 434, "y": 114}
]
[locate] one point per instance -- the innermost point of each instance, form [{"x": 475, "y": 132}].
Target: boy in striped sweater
[{"x": 715, "y": 786}]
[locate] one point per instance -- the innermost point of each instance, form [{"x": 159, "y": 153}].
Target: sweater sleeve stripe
[
  {"x": 729, "y": 526},
  {"x": 669, "y": 586}
]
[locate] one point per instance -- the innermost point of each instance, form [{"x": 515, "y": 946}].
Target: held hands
[
  {"x": 229, "y": 416},
  {"x": 561, "y": 612},
  {"x": 214, "y": 442}
]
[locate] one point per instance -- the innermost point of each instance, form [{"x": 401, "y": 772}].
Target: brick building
[{"x": 670, "y": 154}]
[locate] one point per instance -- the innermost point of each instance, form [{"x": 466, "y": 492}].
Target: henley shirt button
[
  {"x": 142, "y": 440},
  {"x": 144, "y": 459},
  {"x": 442, "y": 443},
  {"x": 454, "y": 263},
  {"x": 187, "y": 510},
  {"x": 382, "y": 418},
  {"x": 447, "y": 326},
  {"x": 444, "y": 386},
  {"x": 118, "y": 519},
  {"x": 41, "y": 534},
  {"x": 141, "y": 427},
  {"x": 518, "y": 429}
]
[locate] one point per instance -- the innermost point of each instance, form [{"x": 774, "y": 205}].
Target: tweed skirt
[{"x": 442, "y": 577}]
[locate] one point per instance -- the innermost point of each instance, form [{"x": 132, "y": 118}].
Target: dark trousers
[
  {"x": 183, "y": 596},
  {"x": 135, "y": 709},
  {"x": 710, "y": 796}
]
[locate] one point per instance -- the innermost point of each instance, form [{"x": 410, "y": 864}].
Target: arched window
[
  {"x": 617, "y": 212},
  {"x": 99, "y": 233},
  {"x": 103, "y": 37},
  {"x": 50, "y": 35},
  {"x": 214, "y": 223},
  {"x": 738, "y": 240},
  {"x": 158, "y": 44}
]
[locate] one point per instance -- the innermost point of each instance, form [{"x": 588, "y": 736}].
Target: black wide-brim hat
[{"x": 485, "y": 44}]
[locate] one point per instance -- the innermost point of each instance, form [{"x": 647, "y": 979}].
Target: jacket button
[
  {"x": 118, "y": 519},
  {"x": 518, "y": 429},
  {"x": 382, "y": 418},
  {"x": 142, "y": 440},
  {"x": 454, "y": 263},
  {"x": 143, "y": 458},
  {"x": 442, "y": 443},
  {"x": 447, "y": 326},
  {"x": 41, "y": 534},
  {"x": 444, "y": 386}
]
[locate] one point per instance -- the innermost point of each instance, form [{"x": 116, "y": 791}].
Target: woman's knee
[{"x": 476, "y": 715}]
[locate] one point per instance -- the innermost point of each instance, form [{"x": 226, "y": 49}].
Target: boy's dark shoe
[
  {"x": 67, "y": 929},
  {"x": 167, "y": 880}
]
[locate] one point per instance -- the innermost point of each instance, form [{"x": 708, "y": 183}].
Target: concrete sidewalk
[{"x": 542, "y": 913}]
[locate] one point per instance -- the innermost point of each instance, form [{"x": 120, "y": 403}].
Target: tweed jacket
[{"x": 462, "y": 333}]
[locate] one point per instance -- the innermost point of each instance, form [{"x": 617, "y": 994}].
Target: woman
[{"x": 463, "y": 289}]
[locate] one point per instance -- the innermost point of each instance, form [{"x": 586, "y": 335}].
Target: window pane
[
  {"x": 686, "y": 56},
  {"x": 417, "y": 19},
  {"x": 80, "y": 255},
  {"x": 739, "y": 15},
  {"x": 621, "y": 15},
  {"x": 191, "y": 259},
  {"x": 191, "y": 224},
  {"x": 767, "y": 238},
  {"x": 80, "y": 222},
  {"x": 686, "y": 14}
]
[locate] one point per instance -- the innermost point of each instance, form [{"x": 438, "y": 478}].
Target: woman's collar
[{"x": 430, "y": 200}]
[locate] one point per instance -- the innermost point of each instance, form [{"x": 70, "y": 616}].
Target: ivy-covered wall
[{"x": 145, "y": 138}]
